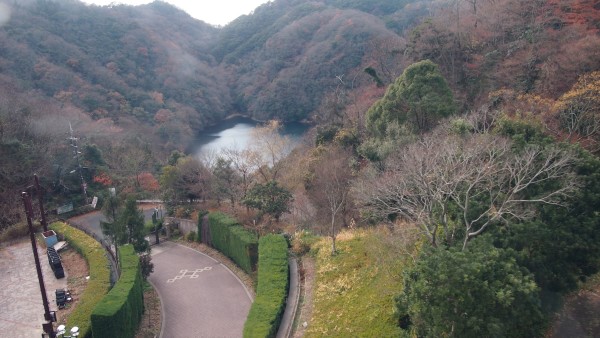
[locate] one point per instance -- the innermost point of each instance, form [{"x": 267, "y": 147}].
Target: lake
[{"x": 237, "y": 133}]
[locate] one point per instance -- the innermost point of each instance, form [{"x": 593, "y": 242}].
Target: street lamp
[
  {"x": 61, "y": 330},
  {"x": 74, "y": 331},
  {"x": 155, "y": 220}
]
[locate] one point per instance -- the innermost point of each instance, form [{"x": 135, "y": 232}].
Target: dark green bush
[
  {"x": 120, "y": 311},
  {"x": 191, "y": 236},
  {"x": 201, "y": 215},
  {"x": 99, "y": 282},
  {"x": 234, "y": 241},
  {"x": 271, "y": 292}
]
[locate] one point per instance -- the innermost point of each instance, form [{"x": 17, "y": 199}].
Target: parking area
[{"x": 21, "y": 308}]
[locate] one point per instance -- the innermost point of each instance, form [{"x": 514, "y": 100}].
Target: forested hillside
[
  {"x": 149, "y": 64},
  {"x": 157, "y": 66},
  {"x": 139, "y": 82}
]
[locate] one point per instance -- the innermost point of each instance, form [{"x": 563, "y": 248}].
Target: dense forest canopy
[{"x": 137, "y": 82}]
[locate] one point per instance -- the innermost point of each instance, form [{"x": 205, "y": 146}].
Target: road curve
[
  {"x": 200, "y": 297},
  {"x": 207, "y": 300}
]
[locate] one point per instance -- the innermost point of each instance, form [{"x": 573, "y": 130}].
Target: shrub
[
  {"x": 271, "y": 292},
  {"x": 146, "y": 265},
  {"x": 183, "y": 212},
  {"x": 496, "y": 296},
  {"x": 302, "y": 241},
  {"x": 99, "y": 282},
  {"x": 16, "y": 231},
  {"x": 234, "y": 241},
  {"x": 191, "y": 236},
  {"x": 120, "y": 311}
]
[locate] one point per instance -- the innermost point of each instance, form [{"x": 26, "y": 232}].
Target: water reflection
[{"x": 237, "y": 133}]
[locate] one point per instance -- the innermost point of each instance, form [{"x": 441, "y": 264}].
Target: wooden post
[{"x": 47, "y": 315}]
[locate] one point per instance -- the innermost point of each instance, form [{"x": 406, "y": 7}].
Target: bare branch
[{"x": 480, "y": 176}]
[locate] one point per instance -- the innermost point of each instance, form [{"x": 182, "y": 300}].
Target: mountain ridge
[{"x": 155, "y": 67}]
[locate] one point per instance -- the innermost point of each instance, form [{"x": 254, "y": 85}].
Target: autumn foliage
[
  {"x": 148, "y": 182},
  {"x": 103, "y": 179}
]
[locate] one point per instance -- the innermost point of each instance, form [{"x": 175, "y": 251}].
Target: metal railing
[{"x": 114, "y": 268}]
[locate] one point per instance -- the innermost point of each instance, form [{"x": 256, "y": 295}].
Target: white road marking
[{"x": 192, "y": 274}]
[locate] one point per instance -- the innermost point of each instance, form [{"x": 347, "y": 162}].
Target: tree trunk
[{"x": 333, "y": 234}]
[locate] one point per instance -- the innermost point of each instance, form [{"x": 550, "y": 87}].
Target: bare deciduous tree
[
  {"x": 269, "y": 148},
  {"x": 330, "y": 187},
  {"x": 243, "y": 161},
  {"x": 194, "y": 180},
  {"x": 131, "y": 158},
  {"x": 479, "y": 177}
]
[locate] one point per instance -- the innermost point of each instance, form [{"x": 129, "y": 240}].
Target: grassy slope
[{"x": 354, "y": 289}]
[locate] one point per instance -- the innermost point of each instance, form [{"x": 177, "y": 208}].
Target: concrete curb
[
  {"x": 287, "y": 322},
  {"x": 162, "y": 310}
]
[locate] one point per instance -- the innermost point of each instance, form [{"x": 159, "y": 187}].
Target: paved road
[
  {"x": 200, "y": 297},
  {"x": 21, "y": 308},
  {"x": 91, "y": 223},
  {"x": 92, "y": 220}
]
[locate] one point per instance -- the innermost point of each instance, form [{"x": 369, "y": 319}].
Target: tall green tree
[
  {"x": 481, "y": 292},
  {"x": 562, "y": 245},
  {"x": 225, "y": 180},
  {"x": 187, "y": 180},
  {"x": 132, "y": 219},
  {"x": 111, "y": 209},
  {"x": 269, "y": 198},
  {"x": 420, "y": 97}
]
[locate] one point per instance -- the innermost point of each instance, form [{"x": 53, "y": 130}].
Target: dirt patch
[
  {"x": 241, "y": 274},
  {"x": 152, "y": 318},
  {"x": 76, "y": 271},
  {"x": 307, "y": 282},
  {"x": 579, "y": 316}
]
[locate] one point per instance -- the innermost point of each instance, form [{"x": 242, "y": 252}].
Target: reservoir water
[{"x": 237, "y": 133}]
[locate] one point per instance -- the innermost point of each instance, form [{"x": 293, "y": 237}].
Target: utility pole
[
  {"x": 76, "y": 153},
  {"x": 48, "y": 316}
]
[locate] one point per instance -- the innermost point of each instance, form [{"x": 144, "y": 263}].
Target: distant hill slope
[
  {"x": 154, "y": 63},
  {"x": 285, "y": 68},
  {"x": 115, "y": 62},
  {"x": 155, "y": 67}
]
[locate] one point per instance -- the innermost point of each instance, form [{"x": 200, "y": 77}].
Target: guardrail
[{"x": 114, "y": 268}]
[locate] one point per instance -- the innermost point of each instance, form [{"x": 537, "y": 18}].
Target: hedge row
[
  {"x": 99, "y": 282},
  {"x": 271, "y": 292},
  {"x": 234, "y": 241},
  {"x": 120, "y": 311}
]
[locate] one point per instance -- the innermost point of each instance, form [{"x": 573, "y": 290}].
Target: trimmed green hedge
[
  {"x": 120, "y": 312},
  {"x": 273, "y": 282},
  {"x": 234, "y": 241},
  {"x": 99, "y": 282}
]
